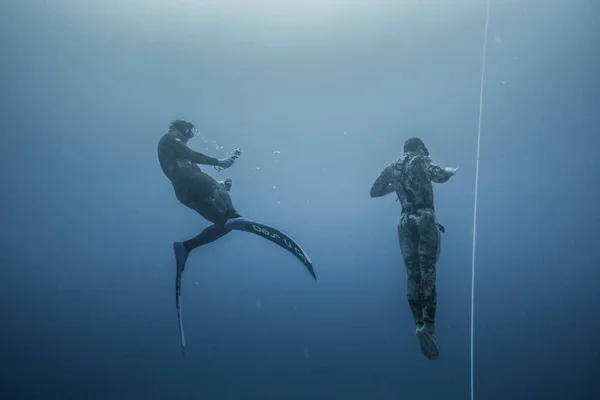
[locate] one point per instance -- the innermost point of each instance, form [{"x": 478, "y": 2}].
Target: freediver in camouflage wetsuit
[{"x": 418, "y": 231}]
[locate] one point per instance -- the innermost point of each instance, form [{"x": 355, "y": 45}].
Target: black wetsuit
[{"x": 195, "y": 189}]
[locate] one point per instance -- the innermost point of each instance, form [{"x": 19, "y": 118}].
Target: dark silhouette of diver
[
  {"x": 209, "y": 198},
  {"x": 418, "y": 232}
]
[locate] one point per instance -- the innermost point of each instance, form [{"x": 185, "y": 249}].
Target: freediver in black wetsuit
[
  {"x": 209, "y": 198},
  {"x": 194, "y": 188}
]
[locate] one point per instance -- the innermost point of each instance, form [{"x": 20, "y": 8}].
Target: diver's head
[
  {"x": 183, "y": 129},
  {"x": 415, "y": 145}
]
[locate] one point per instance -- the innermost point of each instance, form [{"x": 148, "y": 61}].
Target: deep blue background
[{"x": 87, "y": 218}]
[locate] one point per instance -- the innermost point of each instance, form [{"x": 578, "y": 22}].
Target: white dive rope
[{"x": 485, "y": 36}]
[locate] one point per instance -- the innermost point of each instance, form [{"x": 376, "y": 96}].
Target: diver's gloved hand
[
  {"x": 225, "y": 163},
  {"x": 226, "y": 184},
  {"x": 452, "y": 170}
]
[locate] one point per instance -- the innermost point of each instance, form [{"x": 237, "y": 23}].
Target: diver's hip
[{"x": 418, "y": 208}]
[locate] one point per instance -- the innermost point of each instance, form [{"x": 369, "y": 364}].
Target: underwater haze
[{"x": 320, "y": 96}]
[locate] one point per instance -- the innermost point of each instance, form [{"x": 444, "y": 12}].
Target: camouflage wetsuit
[
  {"x": 194, "y": 188},
  {"x": 418, "y": 230}
]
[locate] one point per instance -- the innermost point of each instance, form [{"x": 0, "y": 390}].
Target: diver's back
[{"x": 414, "y": 190}]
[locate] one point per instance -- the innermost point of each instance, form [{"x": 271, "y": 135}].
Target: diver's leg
[
  {"x": 429, "y": 251},
  {"x": 208, "y": 235},
  {"x": 213, "y": 202},
  {"x": 221, "y": 201},
  {"x": 413, "y": 281},
  {"x": 429, "y": 248},
  {"x": 216, "y": 208},
  {"x": 428, "y": 289},
  {"x": 207, "y": 197},
  {"x": 210, "y": 199},
  {"x": 409, "y": 248}
]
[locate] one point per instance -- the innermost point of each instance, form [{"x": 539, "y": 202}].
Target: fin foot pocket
[{"x": 428, "y": 342}]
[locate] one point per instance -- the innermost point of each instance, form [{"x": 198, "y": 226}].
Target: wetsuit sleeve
[
  {"x": 184, "y": 152},
  {"x": 383, "y": 184},
  {"x": 434, "y": 172}
]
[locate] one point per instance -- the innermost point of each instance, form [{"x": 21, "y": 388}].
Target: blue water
[{"x": 88, "y": 220}]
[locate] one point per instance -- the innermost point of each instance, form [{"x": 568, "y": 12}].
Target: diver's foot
[
  {"x": 426, "y": 336},
  {"x": 181, "y": 256}
]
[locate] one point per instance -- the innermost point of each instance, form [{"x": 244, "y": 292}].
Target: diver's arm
[
  {"x": 383, "y": 184},
  {"x": 436, "y": 173},
  {"x": 184, "y": 152}
]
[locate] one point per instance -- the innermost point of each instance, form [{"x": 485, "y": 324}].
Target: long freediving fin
[
  {"x": 178, "y": 306},
  {"x": 274, "y": 235},
  {"x": 181, "y": 255}
]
